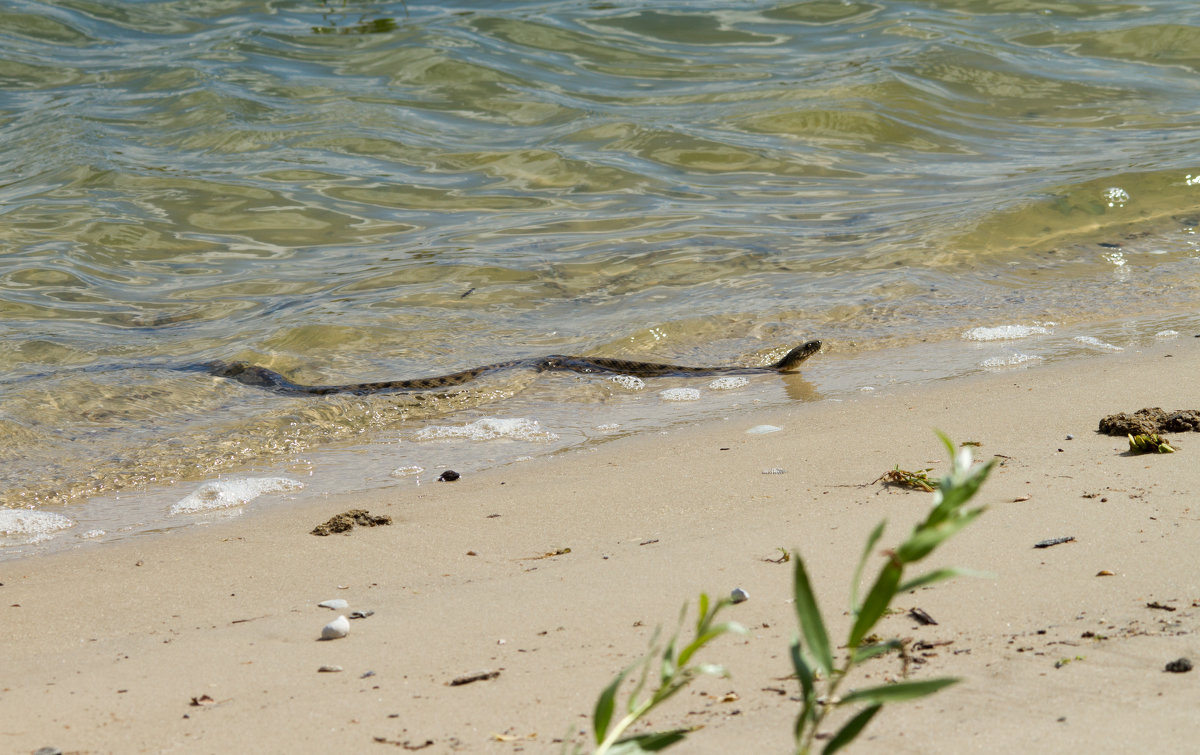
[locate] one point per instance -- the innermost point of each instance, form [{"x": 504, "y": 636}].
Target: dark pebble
[
  {"x": 449, "y": 476},
  {"x": 1179, "y": 666}
]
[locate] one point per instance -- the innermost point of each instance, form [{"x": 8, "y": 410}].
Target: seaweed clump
[
  {"x": 1151, "y": 422},
  {"x": 345, "y": 521}
]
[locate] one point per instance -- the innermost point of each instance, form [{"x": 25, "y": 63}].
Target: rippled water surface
[{"x": 359, "y": 191}]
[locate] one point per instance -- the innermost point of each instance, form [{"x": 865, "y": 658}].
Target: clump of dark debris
[
  {"x": 1151, "y": 422},
  {"x": 346, "y": 520}
]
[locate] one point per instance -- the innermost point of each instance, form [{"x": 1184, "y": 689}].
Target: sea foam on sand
[
  {"x": 1005, "y": 332},
  {"x": 31, "y": 526},
  {"x": 1010, "y": 361},
  {"x": 488, "y": 428},
  {"x": 1096, "y": 342},
  {"x": 629, "y": 382},
  {"x": 680, "y": 394},
  {"x": 728, "y": 383},
  {"x": 235, "y": 491}
]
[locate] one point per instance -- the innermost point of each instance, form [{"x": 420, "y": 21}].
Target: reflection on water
[
  {"x": 353, "y": 18},
  {"x": 354, "y": 191}
]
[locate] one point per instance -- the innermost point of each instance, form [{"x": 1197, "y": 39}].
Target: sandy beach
[{"x": 555, "y": 572}]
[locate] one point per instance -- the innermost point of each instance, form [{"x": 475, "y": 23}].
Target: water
[{"x": 361, "y": 191}]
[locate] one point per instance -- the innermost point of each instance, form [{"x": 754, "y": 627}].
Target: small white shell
[
  {"x": 739, "y": 595},
  {"x": 339, "y": 627},
  {"x": 336, "y": 604},
  {"x": 763, "y": 429}
]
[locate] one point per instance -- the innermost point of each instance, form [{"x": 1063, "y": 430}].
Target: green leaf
[
  {"x": 711, "y": 669},
  {"x": 851, "y": 730},
  {"x": 669, "y": 667},
  {"x": 867, "y": 652},
  {"x": 956, "y": 489},
  {"x": 811, "y": 624},
  {"x": 938, "y": 575},
  {"x": 702, "y": 616},
  {"x": 876, "y": 602},
  {"x": 925, "y": 539},
  {"x": 949, "y": 444},
  {"x": 605, "y": 704},
  {"x": 710, "y": 634},
  {"x": 651, "y": 742},
  {"x": 899, "y": 692},
  {"x": 872, "y": 539},
  {"x": 644, "y": 676},
  {"x": 807, "y": 690}
]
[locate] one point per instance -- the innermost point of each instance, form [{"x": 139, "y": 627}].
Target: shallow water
[{"x": 372, "y": 190}]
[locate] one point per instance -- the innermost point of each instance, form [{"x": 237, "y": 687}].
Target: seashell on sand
[
  {"x": 336, "y": 604},
  {"x": 336, "y": 629},
  {"x": 763, "y": 429},
  {"x": 738, "y": 595}
]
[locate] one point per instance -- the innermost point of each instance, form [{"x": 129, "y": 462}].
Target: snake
[{"x": 261, "y": 377}]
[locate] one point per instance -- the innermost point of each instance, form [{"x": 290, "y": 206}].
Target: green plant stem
[
  {"x": 824, "y": 708},
  {"x": 619, "y": 730}
]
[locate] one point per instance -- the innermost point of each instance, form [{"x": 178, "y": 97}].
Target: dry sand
[{"x": 105, "y": 649}]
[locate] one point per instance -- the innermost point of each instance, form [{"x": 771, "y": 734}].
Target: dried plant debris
[
  {"x": 919, "y": 479},
  {"x": 405, "y": 744},
  {"x": 548, "y": 554},
  {"x": 478, "y": 676},
  {"x": 922, "y": 617},
  {"x": 1151, "y": 421},
  {"x": 784, "y": 556},
  {"x": 345, "y": 521},
  {"x": 1054, "y": 541},
  {"x": 1149, "y": 444}
]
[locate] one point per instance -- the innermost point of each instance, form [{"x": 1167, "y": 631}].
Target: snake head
[{"x": 791, "y": 361}]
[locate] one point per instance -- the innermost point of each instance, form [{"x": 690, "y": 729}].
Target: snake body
[{"x": 251, "y": 374}]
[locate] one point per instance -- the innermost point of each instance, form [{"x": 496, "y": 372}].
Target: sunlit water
[{"x": 363, "y": 191}]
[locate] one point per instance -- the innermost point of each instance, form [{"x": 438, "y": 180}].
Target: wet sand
[{"x": 107, "y": 649}]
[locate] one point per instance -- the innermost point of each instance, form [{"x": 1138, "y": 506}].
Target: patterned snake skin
[{"x": 261, "y": 377}]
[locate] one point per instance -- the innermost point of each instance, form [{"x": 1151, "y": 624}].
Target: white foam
[
  {"x": 1010, "y": 361},
  {"x": 728, "y": 383},
  {"x": 629, "y": 382},
  {"x": 488, "y": 428},
  {"x": 407, "y": 471},
  {"x": 31, "y": 526},
  {"x": 1005, "y": 332},
  {"x": 680, "y": 394},
  {"x": 92, "y": 534},
  {"x": 235, "y": 491},
  {"x": 608, "y": 427},
  {"x": 1088, "y": 340},
  {"x": 1163, "y": 335}
]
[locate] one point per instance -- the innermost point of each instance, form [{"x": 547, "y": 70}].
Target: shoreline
[
  {"x": 110, "y": 644},
  {"x": 529, "y": 425}
]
